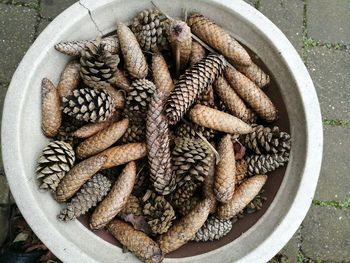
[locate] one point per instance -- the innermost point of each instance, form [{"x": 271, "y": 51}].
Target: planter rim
[{"x": 11, "y": 149}]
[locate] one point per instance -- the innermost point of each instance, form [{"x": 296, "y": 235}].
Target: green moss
[
  {"x": 34, "y": 5},
  {"x": 335, "y": 122},
  {"x": 340, "y": 205}
]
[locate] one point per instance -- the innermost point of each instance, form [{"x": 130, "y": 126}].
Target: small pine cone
[
  {"x": 75, "y": 48},
  {"x": 244, "y": 194},
  {"x": 97, "y": 65},
  {"x": 136, "y": 241},
  {"x": 241, "y": 171},
  {"x": 187, "y": 206},
  {"x": 197, "y": 53},
  {"x": 134, "y": 133},
  {"x": 192, "y": 84},
  {"x": 56, "y": 160},
  {"x": 184, "y": 130},
  {"x": 116, "y": 198},
  {"x": 92, "y": 192},
  {"x": 89, "y": 105},
  {"x": 70, "y": 78},
  {"x": 218, "y": 120},
  {"x": 161, "y": 75},
  {"x": 134, "y": 60},
  {"x": 191, "y": 160},
  {"x": 234, "y": 103},
  {"x": 140, "y": 95},
  {"x": 132, "y": 206},
  {"x": 149, "y": 27},
  {"x": 184, "y": 230},
  {"x": 51, "y": 115},
  {"x": 257, "y": 203},
  {"x": 251, "y": 94},
  {"x": 158, "y": 146},
  {"x": 267, "y": 140},
  {"x": 180, "y": 39},
  {"x": 158, "y": 212},
  {"x": 213, "y": 229},
  {"x": 216, "y": 37},
  {"x": 262, "y": 164},
  {"x": 255, "y": 74},
  {"x": 184, "y": 192}
]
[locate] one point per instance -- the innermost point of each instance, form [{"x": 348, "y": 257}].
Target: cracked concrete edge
[{"x": 85, "y": 5}]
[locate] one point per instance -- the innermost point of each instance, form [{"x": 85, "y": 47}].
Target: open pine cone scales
[
  {"x": 214, "y": 228},
  {"x": 262, "y": 164}
]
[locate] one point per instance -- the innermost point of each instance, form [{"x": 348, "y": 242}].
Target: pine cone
[
  {"x": 192, "y": 84},
  {"x": 132, "y": 206},
  {"x": 56, "y": 160},
  {"x": 255, "y": 74},
  {"x": 257, "y": 203},
  {"x": 184, "y": 192},
  {"x": 92, "y": 192},
  {"x": 88, "y": 105},
  {"x": 197, "y": 53},
  {"x": 191, "y": 160},
  {"x": 158, "y": 146},
  {"x": 70, "y": 78},
  {"x": 262, "y": 164},
  {"x": 140, "y": 95},
  {"x": 149, "y": 27},
  {"x": 75, "y": 48},
  {"x": 184, "y": 130},
  {"x": 134, "y": 133},
  {"x": 161, "y": 75},
  {"x": 216, "y": 37},
  {"x": 213, "y": 229},
  {"x": 187, "y": 206},
  {"x": 241, "y": 171},
  {"x": 158, "y": 212},
  {"x": 142, "y": 182},
  {"x": 267, "y": 140},
  {"x": 97, "y": 65}
]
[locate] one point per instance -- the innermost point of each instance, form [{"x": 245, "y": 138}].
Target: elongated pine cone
[
  {"x": 241, "y": 171},
  {"x": 75, "y": 48},
  {"x": 136, "y": 241},
  {"x": 140, "y": 95},
  {"x": 69, "y": 79},
  {"x": 191, "y": 160},
  {"x": 97, "y": 65},
  {"x": 56, "y": 160},
  {"x": 216, "y": 37},
  {"x": 192, "y": 84},
  {"x": 213, "y": 229},
  {"x": 158, "y": 212},
  {"x": 255, "y": 74},
  {"x": 262, "y": 164},
  {"x": 197, "y": 53},
  {"x": 149, "y": 27},
  {"x": 267, "y": 140},
  {"x": 161, "y": 75},
  {"x": 89, "y": 105},
  {"x": 92, "y": 192},
  {"x": 132, "y": 206}
]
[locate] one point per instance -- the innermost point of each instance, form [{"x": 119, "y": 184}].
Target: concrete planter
[{"x": 22, "y": 139}]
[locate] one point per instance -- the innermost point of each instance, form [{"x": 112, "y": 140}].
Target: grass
[{"x": 340, "y": 205}]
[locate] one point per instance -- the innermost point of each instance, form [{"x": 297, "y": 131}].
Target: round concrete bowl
[{"x": 22, "y": 139}]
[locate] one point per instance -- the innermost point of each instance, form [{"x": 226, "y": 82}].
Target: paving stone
[
  {"x": 326, "y": 234},
  {"x": 329, "y": 21},
  {"x": 52, "y": 8},
  {"x": 291, "y": 250},
  {"x": 4, "y": 190},
  {"x": 28, "y": 2},
  {"x": 4, "y": 223},
  {"x": 329, "y": 70},
  {"x": 42, "y": 25},
  {"x": 17, "y": 32},
  {"x": 288, "y": 16},
  {"x": 334, "y": 183}
]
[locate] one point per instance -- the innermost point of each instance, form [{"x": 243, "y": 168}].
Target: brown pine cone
[
  {"x": 69, "y": 79},
  {"x": 92, "y": 192},
  {"x": 257, "y": 203},
  {"x": 134, "y": 133},
  {"x": 208, "y": 185},
  {"x": 158, "y": 212},
  {"x": 135, "y": 61},
  {"x": 184, "y": 192},
  {"x": 213, "y": 229},
  {"x": 157, "y": 134},
  {"x": 262, "y": 164},
  {"x": 149, "y": 27},
  {"x": 255, "y": 74},
  {"x": 143, "y": 181},
  {"x": 218, "y": 120},
  {"x": 136, "y": 241},
  {"x": 241, "y": 171},
  {"x": 197, "y": 53},
  {"x": 185, "y": 130},
  {"x": 191, "y": 160},
  {"x": 161, "y": 75},
  {"x": 90, "y": 129},
  {"x": 234, "y": 103},
  {"x": 132, "y": 206},
  {"x": 184, "y": 230},
  {"x": 225, "y": 173},
  {"x": 77, "y": 176},
  {"x": 187, "y": 206},
  {"x": 116, "y": 198},
  {"x": 251, "y": 94},
  {"x": 97, "y": 66},
  {"x": 243, "y": 195},
  {"x": 51, "y": 115},
  {"x": 267, "y": 140},
  {"x": 192, "y": 84},
  {"x": 216, "y": 37},
  {"x": 140, "y": 95}
]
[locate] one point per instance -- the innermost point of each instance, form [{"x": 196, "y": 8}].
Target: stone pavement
[{"x": 319, "y": 30}]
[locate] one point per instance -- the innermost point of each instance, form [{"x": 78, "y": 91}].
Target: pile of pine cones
[{"x": 160, "y": 135}]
